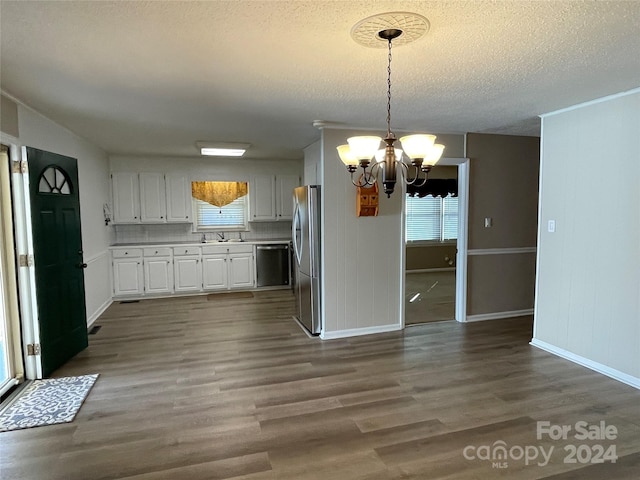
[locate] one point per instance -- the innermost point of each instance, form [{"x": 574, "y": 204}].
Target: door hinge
[
  {"x": 25, "y": 260},
  {"x": 20, "y": 166},
  {"x": 33, "y": 349}
]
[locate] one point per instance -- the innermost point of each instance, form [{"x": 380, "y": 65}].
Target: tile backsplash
[{"x": 180, "y": 232}]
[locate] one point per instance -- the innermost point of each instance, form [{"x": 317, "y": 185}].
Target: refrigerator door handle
[{"x": 296, "y": 234}]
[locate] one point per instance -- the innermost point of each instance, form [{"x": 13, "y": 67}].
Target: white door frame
[
  {"x": 24, "y": 246},
  {"x": 461, "y": 244}
]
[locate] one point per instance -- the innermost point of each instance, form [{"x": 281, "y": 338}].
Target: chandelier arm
[
  {"x": 355, "y": 184},
  {"x": 371, "y": 177},
  {"x": 366, "y": 179},
  {"x": 407, "y": 179},
  {"x": 424, "y": 181}
]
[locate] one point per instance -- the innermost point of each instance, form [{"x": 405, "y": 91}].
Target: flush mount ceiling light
[
  {"x": 222, "y": 149},
  {"x": 422, "y": 153}
]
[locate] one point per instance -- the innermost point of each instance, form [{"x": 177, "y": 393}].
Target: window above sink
[{"x": 220, "y": 206}]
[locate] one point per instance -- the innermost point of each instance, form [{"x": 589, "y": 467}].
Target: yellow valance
[{"x": 218, "y": 193}]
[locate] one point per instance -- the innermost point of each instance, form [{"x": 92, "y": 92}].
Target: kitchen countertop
[{"x": 209, "y": 242}]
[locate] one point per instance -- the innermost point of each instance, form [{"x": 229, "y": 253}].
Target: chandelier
[{"x": 418, "y": 153}]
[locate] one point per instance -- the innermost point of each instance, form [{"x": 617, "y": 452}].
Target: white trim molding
[
  {"x": 354, "y": 332},
  {"x": 591, "y": 102},
  {"x": 585, "y": 362},
  {"x": 98, "y": 312},
  {"x": 96, "y": 257},
  {"x": 501, "y": 251},
  {"x": 463, "y": 238},
  {"x": 431, "y": 270},
  {"x": 481, "y": 317}
]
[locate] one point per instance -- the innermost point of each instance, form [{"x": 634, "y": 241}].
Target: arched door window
[{"x": 54, "y": 180}]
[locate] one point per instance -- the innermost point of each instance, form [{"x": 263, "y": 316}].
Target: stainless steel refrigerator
[{"x": 306, "y": 249}]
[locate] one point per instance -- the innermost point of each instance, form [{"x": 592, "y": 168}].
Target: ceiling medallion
[{"x": 411, "y": 25}]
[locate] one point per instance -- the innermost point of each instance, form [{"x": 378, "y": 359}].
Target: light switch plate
[{"x": 551, "y": 226}]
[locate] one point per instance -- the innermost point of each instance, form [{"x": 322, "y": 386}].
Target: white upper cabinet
[
  {"x": 126, "y": 197},
  {"x": 284, "y": 195},
  {"x": 262, "y": 200},
  {"x": 152, "y": 198},
  {"x": 178, "y": 198},
  {"x": 271, "y": 197}
]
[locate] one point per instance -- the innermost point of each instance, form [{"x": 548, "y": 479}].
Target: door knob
[{"x": 82, "y": 265}]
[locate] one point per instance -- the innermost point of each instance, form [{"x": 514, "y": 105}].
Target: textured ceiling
[{"x": 154, "y": 77}]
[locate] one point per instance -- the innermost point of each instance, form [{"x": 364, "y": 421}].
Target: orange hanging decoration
[{"x": 367, "y": 200}]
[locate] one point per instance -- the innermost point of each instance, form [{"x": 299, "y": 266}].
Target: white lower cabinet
[
  {"x": 226, "y": 267},
  {"x": 128, "y": 278},
  {"x": 184, "y": 269},
  {"x": 241, "y": 270},
  {"x": 187, "y": 269},
  {"x": 158, "y": 270},
  {"x": 214, "y": 272}
]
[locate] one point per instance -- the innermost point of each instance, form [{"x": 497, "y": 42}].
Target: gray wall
[
  {"x": 588, "y": 288},
  {"x": 431, "y": 256},
  {"x": 503, "y": 185}
]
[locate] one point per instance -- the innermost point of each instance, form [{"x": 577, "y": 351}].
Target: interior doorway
[{"x": 433, "y": 220}]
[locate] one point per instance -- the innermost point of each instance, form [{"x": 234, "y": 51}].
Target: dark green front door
[{"x": 57, "y": 248}]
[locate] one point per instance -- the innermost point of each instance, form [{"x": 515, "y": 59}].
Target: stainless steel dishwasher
[{"x": 272, "y": 264}]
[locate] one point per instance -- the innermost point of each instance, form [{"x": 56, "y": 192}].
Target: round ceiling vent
[{"x": 366, "y": 32}]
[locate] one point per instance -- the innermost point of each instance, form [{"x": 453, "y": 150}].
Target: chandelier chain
[{"x": 389, "y": 91}]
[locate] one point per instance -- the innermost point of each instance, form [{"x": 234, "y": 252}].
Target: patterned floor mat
[{"x": 47, "y": 402}]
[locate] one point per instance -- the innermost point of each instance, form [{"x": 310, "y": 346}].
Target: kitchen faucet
[
  {"x": 204, "y": 238},
  {"x": 220, "y": 236}
]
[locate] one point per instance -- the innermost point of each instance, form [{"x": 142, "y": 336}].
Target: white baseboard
[
  {"x": 431, "y": 270},
  {"x": 481, "y": 317},
  {"x": 354, "y": 332},
  {"x": 585, "y": 362},
  {"x": 98, "y": 312}
]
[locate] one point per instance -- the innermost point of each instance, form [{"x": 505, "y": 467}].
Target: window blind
[
  {"x": 229, "y": 216},
  {"x": 430, "y": 218}
]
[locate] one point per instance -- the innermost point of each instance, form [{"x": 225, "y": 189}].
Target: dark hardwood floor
[{"x": 192, "y": 388}]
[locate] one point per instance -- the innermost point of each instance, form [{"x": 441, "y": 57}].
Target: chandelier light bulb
[
  {"x": 344, "y": 151},
  {"x": 380, "y": 154},
  {"x": 417, "y": 146},
  {"x": 434, "y": 154},
  {"x": 365, "y": 147}
]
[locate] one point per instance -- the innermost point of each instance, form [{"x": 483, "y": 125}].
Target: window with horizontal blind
[
  {"x": 233, "y": 213},
  {"x": 431, "y": 218}
]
